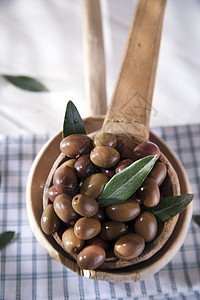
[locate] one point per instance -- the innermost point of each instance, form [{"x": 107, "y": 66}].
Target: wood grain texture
[
  {"x": 130, "y": 107},
  {"x": 94, "y": 58}
]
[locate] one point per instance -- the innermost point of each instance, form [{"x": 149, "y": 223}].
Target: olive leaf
[
  {"x": 26, "y": 83},
  {"x": 73, "y": 124},
  {"x": 169, "y": 207},
  {"x": 123, "y": 184},
  {"x": 196, "y": 219},
  {"x": 5, "y": 238}
]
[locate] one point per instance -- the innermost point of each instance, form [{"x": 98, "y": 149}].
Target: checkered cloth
[{"x": 27, "y": 272}]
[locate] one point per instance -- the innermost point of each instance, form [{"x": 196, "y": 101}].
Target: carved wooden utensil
[
  {"x": 129, "y": 112},
  {"x": 130, "y": 109}
]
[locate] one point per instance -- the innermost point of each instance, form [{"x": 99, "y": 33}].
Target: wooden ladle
[{"x": 130, "y": 108}]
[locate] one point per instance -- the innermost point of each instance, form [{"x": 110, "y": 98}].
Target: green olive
[
  {"x": 63, "y": 208},
  {"x": 91, "y": 257},
  {"x": 84, "y": 205},
  {"x": 159, "y": 173},
  {"x": 75, "y": 145},
  {"x": 104, "y": 156},
  {"x": 70, "y": 163},
  {"x": 105, "y": 139},
  {"x": 123, "y": 212},
  {"x": 149, "y": 192},
  {"x": 71, "y": 242},
  {"x": 49, "y": 220},
  {"x": 93, "y": 185},
  {"x": 87, "y": 228},
  {"x": 146, "y": 226},
  {"x": 112, "y": 230},
  {"x": 129, "y": 246}
]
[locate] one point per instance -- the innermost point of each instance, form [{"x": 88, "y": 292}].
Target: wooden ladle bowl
[{"x": 34, "y": 200}]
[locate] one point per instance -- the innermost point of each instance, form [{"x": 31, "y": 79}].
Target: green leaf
[
  {"x": 26, "y": 83},
  {"x": 5, "y": 238},
  {"x": 196, "y": 219},
  {"x": 169, "y": 207},
  {"x": 73, "y": 124},
  {"x": 122, "y": 185}
]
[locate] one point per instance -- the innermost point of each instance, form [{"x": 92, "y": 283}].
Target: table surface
[
  {"x": 28, "y": 272},
  {"x": 43, "y": 39}
]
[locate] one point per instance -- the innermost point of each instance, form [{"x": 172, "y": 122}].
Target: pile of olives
[{"x": 90, "y": 231}]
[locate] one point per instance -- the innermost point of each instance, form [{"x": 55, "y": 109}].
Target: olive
[
  {"x": 125, "y": 147},
  {"x": 52, "y": 193},
  {"x": 71, "y": 243},
  {"x": 63, "y": 208},
  {"x": 146, "y": 226},
  {"x": 75, "y": 145},
  {"x": 129, "y": 246},
  {"x": 159, "y": 173},
  {"x": 49, "y": 220},
  {"x": 145, "y": 149},
  {"x": 91, "y": 257},
  {"x": 70, "y": 163},
  {"x": 84, "y": 205},
  {"x": 149, "y": 192},
  {"x": 109, "y": 172},
  {"x": 100, "y": 214},
  {"x": 87, "y": 228},
  {"x": 123, "y": 164},
  {"x": 112, "y": 230},
  {"x": 123, "y": 212},
  {"x": 104, "y": 156},
  {"x": 105, "y": 139},
  {"x": 65, "y": 179},
  {"x": 84, "y": 167},
  {"x": 93, "y": 185},
  {"x": 97, "y": 241}
]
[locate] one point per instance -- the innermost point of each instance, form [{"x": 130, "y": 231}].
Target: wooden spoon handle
[
  {"x": 130, "y": 108},
  {"x": 94, "y": 58}
]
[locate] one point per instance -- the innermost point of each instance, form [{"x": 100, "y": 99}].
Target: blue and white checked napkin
[{"x": 27, "y": 272}]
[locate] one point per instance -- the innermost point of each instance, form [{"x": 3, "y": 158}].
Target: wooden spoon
[{"x": 130, "y": 109}]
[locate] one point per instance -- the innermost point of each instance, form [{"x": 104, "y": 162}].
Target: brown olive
[
  {"x": 87, "y": 228},
  {"x": 63, "y": 208},
  {"x": 70, "y": 163},
  {"x": 145, "y": 149},
  {"x": 52, "y": 193},
  {"x": 75, "y": 145},
  {"x": 71, "y": 243},
  {"x": 105, "y": 139},
  {"x": 93, "y": 185},
  {"x": 125, "y": 147},
  {"x": 65, "y": 179},
  {"x": 146, "y": 226},
  {"x": 84, "y": 205},
  {"x": 129, "y": 246},
  {"x": 100, "y": 214},
  {"x": 112, "y": 230},
  {"x": 149, "y": 192},
  {"x": 123, "y": 212},
  {"x": 109, "y": 172},
  {"x": 84, "y": 167},
  {"x": 123, "y": 164},
  {"x": 49, "y": 220},
  {"x": 104, "y": 156},
  {"x": 91, "y": 257},
  {"x": 159, "y": 173},
  {"x": 97, "y": 241}
]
